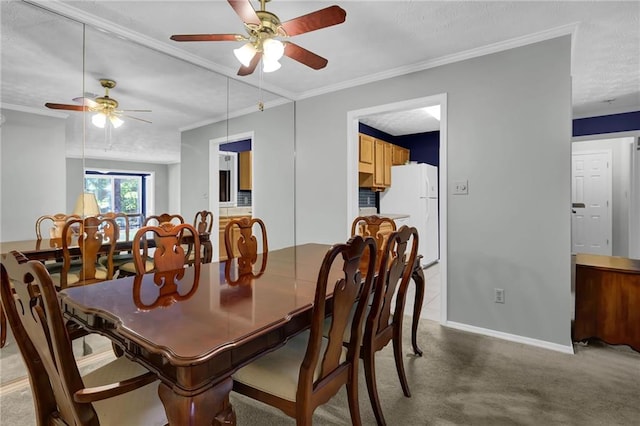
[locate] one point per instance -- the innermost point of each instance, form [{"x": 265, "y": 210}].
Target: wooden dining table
[
  {"x": 195, "y": 327},
  {"x": 51, "y": 248}
]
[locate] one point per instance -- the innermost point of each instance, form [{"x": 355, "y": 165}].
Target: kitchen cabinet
[
  {"x": 400, "y": 155},
  {"x": 375, "y": 160},
  {"x": 245, "y": 162},
  {"x": 366, "y": 156},
  {"x": 382, "y": 165}
]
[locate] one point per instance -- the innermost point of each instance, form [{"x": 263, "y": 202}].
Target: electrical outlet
[{"x": 498, "y": 295}]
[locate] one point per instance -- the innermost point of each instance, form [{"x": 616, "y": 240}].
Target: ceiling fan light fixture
[
  {"x": 245, "y": 53},
  {"x": 270, "y": 65},
  {"x": 273, "y": 49},
  {"x": 115, "y": 121},
  {"x": 99, "y": 120}
]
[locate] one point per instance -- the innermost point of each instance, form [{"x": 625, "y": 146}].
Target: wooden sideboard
[{"x": 607, "y": 300}]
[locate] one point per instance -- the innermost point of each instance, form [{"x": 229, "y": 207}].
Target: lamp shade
[
  {"x": 99, "y": 120},
  {"x": 86, "y": 205},
  {"x": 245, "y": 53}
]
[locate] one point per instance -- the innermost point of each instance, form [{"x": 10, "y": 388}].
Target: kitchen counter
[
  {"x": 235, "y": 211},
  {"x": 394, "y": 216}
]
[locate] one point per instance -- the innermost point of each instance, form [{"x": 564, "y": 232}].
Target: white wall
[
  {"x": 509, "y": 132},
  {"x": 32, "y": 168},
  {"x": 621, "y": 187}
]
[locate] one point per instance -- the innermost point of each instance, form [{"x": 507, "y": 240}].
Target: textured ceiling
[{"x": 42, "y": 54}]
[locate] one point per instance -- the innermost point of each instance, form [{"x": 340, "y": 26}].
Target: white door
[{"x": 591, "y": 228}]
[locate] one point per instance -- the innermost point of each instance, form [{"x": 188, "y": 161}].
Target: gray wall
[
  {"x": 160, "y": 171},
  {"x": 509, "y": 134},
  {"x": 32, "y": 170},
  {"x": 273, "y": 168}
]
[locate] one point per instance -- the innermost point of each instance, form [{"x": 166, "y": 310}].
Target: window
[{"x": 119, "y": 192}]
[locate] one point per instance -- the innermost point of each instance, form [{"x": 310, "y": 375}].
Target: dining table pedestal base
[{"x": 210, "y": 407}]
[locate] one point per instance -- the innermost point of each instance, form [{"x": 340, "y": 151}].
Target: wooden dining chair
[
  {"x": 155, "y": 220},
  {"x": 169, "y": 254},
  {"x": 239, "y": 241},
  {"x": 96, "y": 235},
  {"x": 129, "y": 268},
  {"x": 383, "y": 326},
  {"x": 309, "y": 369},
  {"x": 203, "y": 222},
  {"x": 120, "y": 257},
  {"x": 54, "y": 233},
  {"x": 118, "y": 393},
  {"x": 57, "y": 224},
  {"x": 375, "y": 226}
]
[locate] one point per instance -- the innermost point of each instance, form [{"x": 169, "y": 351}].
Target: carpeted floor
[{"x": 466, "y": 379}]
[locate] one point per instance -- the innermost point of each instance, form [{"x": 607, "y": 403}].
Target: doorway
[
  {"x": 623, "y": 186},
  {"x": 353, "y": 119},
  {"x": 215, "y": 162}
]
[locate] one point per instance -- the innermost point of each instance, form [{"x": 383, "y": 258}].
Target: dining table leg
[
  {"x": 210, "y": 407},
  {"x": 419, "y": 280}
]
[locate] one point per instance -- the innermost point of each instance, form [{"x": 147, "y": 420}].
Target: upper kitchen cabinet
[
  {"x": 245, "y": 160},
  {"x": 400, "y": 155},
  {"x": 375, "y": 160},
  {"x": 366, "y": 156}
]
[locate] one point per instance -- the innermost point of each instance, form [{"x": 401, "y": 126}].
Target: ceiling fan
[
  {"x": 105, "y": 107},
  {"x": 264, "y": 33}
]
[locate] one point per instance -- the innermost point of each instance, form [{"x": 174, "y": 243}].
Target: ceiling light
[
  {"x": 245, "y": 53},
  {"x": 269, "y": 65},
  {"x": 99, "y": 120},
  {"x": 273, "y": 49},
  {"x": 433, "y": 111},
  {"x": 115, "y": 121}
]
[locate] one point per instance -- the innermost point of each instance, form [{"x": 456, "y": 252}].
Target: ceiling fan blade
[
  {"x": 206, "y": 37},
  {"x": 135, "y": 118},
  {"x": 322, "y": 18},
  {"x": 87, "y": 102},
  {"x": 252, "y": 66},
  {"x": 245, "y": 11},
  {"x": 134, "y": 110},
  {"x": 304, "y": 56},
  {"x": 67, "y": 107}
]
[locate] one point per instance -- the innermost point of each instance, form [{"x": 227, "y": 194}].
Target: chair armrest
[{"x": 113, "y": 389}]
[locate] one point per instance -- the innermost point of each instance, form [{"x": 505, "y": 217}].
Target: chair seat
[
  {"x": 130, "y": 268},
  {"x": 74, "y": 275},
  {"x": 56, "y": 267},
  {"x": 138, "y": 407},
  {"x": 118, "y": 259},
  {"x": 277, "y": 372}
]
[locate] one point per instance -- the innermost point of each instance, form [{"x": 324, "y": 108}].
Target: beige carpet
[{"x": 467, "y": 379}]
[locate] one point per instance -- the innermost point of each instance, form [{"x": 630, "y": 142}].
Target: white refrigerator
[{"x": 414, "y": 191}]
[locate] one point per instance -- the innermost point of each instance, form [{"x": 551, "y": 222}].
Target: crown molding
[{"x": 569, "y": 29}]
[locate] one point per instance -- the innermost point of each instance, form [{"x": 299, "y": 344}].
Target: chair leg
[
  {"x": 370, "y": 376},
  {"x": 397, "y": 354},
  {"x": 352, "y": 396},
  {"x": 3, "y": 328},
  {"x": 418, "y": 279}
]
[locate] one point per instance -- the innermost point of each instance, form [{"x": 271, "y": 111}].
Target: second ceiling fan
[{"x": 265, "y": 30}]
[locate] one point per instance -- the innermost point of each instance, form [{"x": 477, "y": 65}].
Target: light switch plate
[{"x": 461, "y": 187}]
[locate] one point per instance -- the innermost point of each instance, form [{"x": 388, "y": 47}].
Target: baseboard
[{"x": 567, "y": 349}]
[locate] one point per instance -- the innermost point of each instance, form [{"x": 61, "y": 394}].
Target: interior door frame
[
  {"x": 214, "y": 175},
  {"x": 634, "y": 201},
  {"x": 352, "y": 173}
]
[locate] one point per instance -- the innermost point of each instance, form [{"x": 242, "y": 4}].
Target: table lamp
[{"x": 86, "y": 205}]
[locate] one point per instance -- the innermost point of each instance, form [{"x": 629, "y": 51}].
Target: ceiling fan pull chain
[{"x": 260, "y": 98}]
